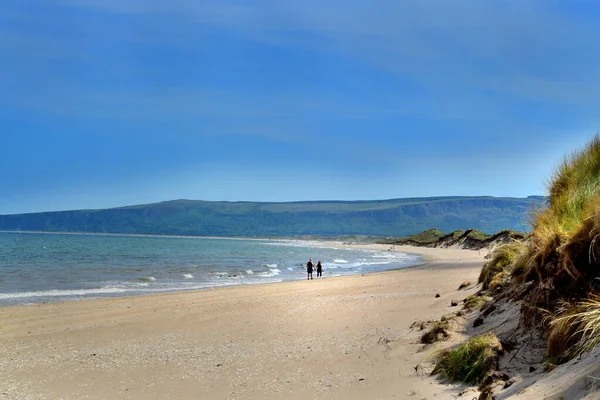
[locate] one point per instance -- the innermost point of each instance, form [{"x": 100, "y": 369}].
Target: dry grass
[
  {"x": 556, "y": 268},
  {"x": 501, "y": 262},
  {"x": 562, "y": 255},
  {"x": 475, "y": 302},
  {"x": 499, "y": 280},
  {"x": 470, "y": 362},
  {"x": 440, "y": 330},
  {"x": 579, "y": 323}
]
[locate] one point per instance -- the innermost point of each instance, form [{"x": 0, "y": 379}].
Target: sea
[{"x": 43, "y": 267}]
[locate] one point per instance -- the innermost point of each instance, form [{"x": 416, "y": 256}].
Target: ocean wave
[
  {"x": 358, "y": 264},
  {"x": 339, "y": 261},
  {"x": 269, "y": 273},
  {"x": 188, "y": 276},
  {"x": 249, "y": 272},
  {"x": 386, "y": 255},
  {"x": 297, "y": 243},
  {"x": 60, "y": 293}
]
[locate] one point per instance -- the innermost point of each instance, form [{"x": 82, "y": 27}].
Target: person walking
[
  {"x": 309, "y": 269},
  {"x": 319, "y": 269}
]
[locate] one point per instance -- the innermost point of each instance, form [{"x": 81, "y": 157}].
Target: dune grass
[
  {"x": 502, "y": 261},
  {"x": 569, "y": 227},
  {"x": 477, "y": 234},
  {"x": 564, "y": 250},
  {"x": 475, "y": 301},
  {"x": 470, "y": 362},
  {"x": 426, "y": 237},
  {"x": 555, "y": 270},
  {"x": 578, "y": 323}
]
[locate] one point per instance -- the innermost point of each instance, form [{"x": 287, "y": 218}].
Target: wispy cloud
[{"x": 461, "y": 52}]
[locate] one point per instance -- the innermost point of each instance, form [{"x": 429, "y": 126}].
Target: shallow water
[{"x": 37, "y": 267}]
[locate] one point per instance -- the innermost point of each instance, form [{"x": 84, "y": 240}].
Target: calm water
[{"x": 36, "y": 268}]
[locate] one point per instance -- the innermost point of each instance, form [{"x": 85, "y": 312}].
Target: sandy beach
[{"x": 335, "y": 338}]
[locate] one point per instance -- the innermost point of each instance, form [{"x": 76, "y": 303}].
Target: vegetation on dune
[
  {"x": 424, "y": 238},
  {"x": 438, "y": 331},
  {"x": 578, "y": 325},
  {"x": 468, "y": 239},
  {"x": 475, "y": 301},
  {"x": 498, "y": 269},
  {"x": 477, "y": 234},
  {"x": 562, "y": 258},
  {"x": 471, "y": 361},
  {"x": 555, "y": 270}
]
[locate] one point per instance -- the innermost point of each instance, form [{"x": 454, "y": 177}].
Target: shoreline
[
  {"x": 47, "y": 295},
  {"x": 340, "y": 337}
]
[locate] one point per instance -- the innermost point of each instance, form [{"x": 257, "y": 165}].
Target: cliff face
[{"x": 397, "y": 217}]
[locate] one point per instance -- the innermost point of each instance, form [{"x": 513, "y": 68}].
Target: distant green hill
[{"x": 396, "y": 217}]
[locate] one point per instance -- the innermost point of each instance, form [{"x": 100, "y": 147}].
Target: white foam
[
  {"x": 385, "y": 255},
  {"x": 188, "y": 276},
  {"x": 143, "y": 284},
  {"x": 358, "y": 264},
  {"x": 339, "y": 261},
  {"x": 249, "y": 272},
  {"x": 270, "y": 272},
  {"x": 152, "y": 278},
  {"x": 271, "y": 265},
  {"x": 290, "y": 268},
  {"x": 56, "y": 292}
]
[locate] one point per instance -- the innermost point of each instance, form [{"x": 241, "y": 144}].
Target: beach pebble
[
  {"x": 454, "y": 303},
  {"x": 437, "y": 295}
]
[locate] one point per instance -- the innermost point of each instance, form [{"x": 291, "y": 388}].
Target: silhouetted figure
[
  {"x": 309, "y": 269},
  {"x": 319, "y": 269}
]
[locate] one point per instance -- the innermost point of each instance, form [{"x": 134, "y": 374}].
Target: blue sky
[{"x": 106, "y": 103}]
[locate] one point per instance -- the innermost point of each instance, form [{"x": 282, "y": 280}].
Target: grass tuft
[
  {"x": 470, "y": 362},
  {"x": 501, "y": 262},
  {"x": 475, "y": 302},
  {"x": 579, "y": 323},
  {"x": 438, "y": 331}
]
